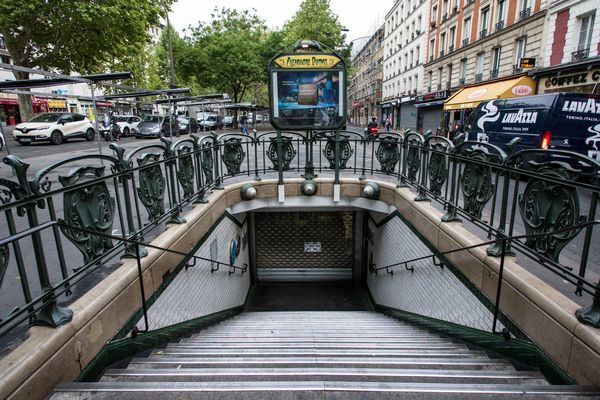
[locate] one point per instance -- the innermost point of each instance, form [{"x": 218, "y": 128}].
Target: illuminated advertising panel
[{"x": 307, "y": 91}]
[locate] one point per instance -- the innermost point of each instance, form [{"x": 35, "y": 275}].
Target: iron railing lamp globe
[
  {"x": 309, "y": 187},
  {"x": 371, "y": 190},
  {"x": 248, "y": 192}
]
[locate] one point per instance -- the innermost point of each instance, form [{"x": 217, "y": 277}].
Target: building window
[
  {"x": 466, "y": 31},
  {"x": 5, "y": 59},
  {"x": 463, "y": 71},
  {"x": 525, "y": 10},
  {"x": 501, "y": 14},
  {"x": 496, "y": 54},
  {"x": 449, "y": 81},
  {"x": 585, "y": 37},
  {"x": 520, "y": 51},
  {"x": 452, "y": 39},
  {"x": 479, "y": 67},
  {"x": 429, "y": 80},
  {"x": 440, "y": 73},
  {"x": 434, "y": 16},
  {"x": 417, "y": 54},
  {"x": 485, "y": 14},
  {"x": 442, "y": 44},
  {"x": 431, "y": 49}
]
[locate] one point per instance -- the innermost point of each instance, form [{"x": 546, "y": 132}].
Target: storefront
[
  {"x": 430, "y": 108},
  {"x": 408, "y": 114},
  {"x": 574, "y": 79},
  {"x": 387, "y": 110},
  {"x": 9, "y": 109},
  {"x": 469, "y": 97},
  {"x": 87, "y": 108}
]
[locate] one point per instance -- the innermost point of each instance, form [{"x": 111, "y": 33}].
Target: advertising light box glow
[{"x": 307, "y": 92}]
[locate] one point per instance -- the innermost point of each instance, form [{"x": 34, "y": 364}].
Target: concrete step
[
  {"x": 320, "y": 352},
  {"x": 273, "y": 342},
  {"x": 323, "y": 373},
  {"x": 295, "y": 346},
  {"x": 315, "y": 390},
  {"x": 454, "y": 363},
  {"x": 339, "y": 335},
  {"x": 323, "y": 340}
]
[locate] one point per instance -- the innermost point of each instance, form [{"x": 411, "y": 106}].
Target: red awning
[{"x": 9, "y": 102}]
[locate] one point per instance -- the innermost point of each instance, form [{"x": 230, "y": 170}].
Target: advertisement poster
[{"x": 308, "y": 98}]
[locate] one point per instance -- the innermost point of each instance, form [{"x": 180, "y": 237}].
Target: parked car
[
  {"x": 128, "y": 124},
  {"x": 156, "y": 126},
  {"x": 211, "y": 122},
  {"x": 187, "y": 125},
  {"x": 565, "y": 121},
  {"x": 228, "y": 120},
  {"x": 54, "y": 127}
]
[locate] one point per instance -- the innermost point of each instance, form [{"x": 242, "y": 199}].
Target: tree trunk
[{"x": 25, "y": 105}]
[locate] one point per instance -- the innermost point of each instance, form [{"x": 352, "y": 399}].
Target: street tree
[
  {"x": 74, "y": 35},
  {"x": 316, "y": 21},
  {"x": 227, "y": 54}
]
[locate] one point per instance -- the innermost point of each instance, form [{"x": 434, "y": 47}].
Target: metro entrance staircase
[{"x": 318, "y": 355}]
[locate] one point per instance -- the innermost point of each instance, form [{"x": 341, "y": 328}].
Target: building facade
[
  {"x": 404, "y": 54},
  {"x": 473, "y": 42},
  {"x": 572, "y": 48},
  {"x": 365, "y": 86}
]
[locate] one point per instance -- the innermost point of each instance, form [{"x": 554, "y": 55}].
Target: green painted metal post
[
  {"x": 451, "y": 214},
  {"x": 280, "y": 157},
  {"x": 337, "y": 157},
  {"x": 256, "y": 176},
  {"x": 586, "y": 243},
  {"x": 218, "y": 183}
]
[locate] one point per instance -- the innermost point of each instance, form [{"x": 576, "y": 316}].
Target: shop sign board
[
  {"x": 307, "y": 90},
  {"x": 527, "y": 63},
  {"x": 580, "y": 78}
]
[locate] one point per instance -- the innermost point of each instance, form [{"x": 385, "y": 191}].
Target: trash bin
[{"x": 11, "y": 121}]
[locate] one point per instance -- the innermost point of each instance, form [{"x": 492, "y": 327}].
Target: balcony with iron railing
[
  {"x": 479, "y": 77},
  {"x": 526, "y": 13},
  {"x": 517, "y": 69},
  {"x": 483, "y": 33},
  {"x": 450, "y": 48},
  {"x": 499, "y": 25},
  {"x": 465, "y": 42},
  {"x": 581, "y": 54},
  {"x": 494, "y": 73}
]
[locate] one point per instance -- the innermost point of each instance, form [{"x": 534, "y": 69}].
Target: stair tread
[{"x": 245, "y": 386}]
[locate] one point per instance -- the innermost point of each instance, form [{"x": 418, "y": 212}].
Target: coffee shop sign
[{"x": 580, "y": 78}]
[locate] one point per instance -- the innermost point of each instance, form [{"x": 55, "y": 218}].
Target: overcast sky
[{"x": 360, "y": 20}]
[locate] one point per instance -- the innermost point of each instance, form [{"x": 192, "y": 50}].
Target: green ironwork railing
[{"x": 129, "y": 194}]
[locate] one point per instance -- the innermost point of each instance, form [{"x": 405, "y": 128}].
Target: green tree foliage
[
  {"x": 75, "y": 35},
  {"x": 314, "y": 20},
  {"x": 228, "y": 54}
]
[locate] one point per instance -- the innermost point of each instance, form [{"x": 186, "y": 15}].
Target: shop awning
[{"x": 470, "y": 97}]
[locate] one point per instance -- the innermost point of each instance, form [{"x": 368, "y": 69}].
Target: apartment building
[
  {"x": 474, "y": 43},
  {"x": 404, "y": 54},
  {"x": 572, "y": 48},
  {"x": 364, "y": 88}
]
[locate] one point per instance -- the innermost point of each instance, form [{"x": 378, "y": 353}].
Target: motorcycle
[
  {"x": 372, "y": 132},
  {"x": 110, "y": 131}
]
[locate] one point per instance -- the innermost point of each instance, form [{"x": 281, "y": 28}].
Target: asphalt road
[{"x": 42, "y": 155}]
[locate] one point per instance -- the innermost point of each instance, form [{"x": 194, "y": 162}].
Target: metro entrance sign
[{"x": 307, "y": 89}]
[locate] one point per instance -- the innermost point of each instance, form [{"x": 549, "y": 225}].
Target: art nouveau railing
[{"x": 130, "y": 193}]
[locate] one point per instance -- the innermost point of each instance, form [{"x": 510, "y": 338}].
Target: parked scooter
[{"x": 109, "y": 129}]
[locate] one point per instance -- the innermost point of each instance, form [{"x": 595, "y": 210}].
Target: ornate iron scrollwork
[
  {"x": 438, "y": 163},
  {"x": 207, "y": 163},
  {"x": 345, "y": 151},
  {"x": 476, "y": 180},
  {"x": 233, "y": 155},
  {"x": 413, "y": 144},
  {"x": 547, "y": 207},
  {"x": 151, "y": 190},
  {"x": 387, "y": 154},
  {"x": 185, "y": 172},
  {"x": 90, "y": 207},
  {"x": 289, "y": 152}
]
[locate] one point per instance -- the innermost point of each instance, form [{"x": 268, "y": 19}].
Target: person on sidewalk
[
  {"x": 244, "y": 123},
  {"x": 388, "y": 123}
]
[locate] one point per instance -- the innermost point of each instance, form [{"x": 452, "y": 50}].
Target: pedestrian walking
[
  {"x": 244, "y": 123},
  {"x": 388, "y": 123}
]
